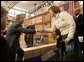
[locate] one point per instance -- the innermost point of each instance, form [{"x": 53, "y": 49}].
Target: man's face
[
  {"x": 21, "y": 20},
  {"x": 77, "y": 12}
]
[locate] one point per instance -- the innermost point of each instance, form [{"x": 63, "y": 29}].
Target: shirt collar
[
  {"x": 77, "y": 15},
  {"x": 57, "y": 15}
]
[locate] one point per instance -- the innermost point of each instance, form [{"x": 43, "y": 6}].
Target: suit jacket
[
  {"x": 29, "y": 37},
  {"x": 4, "y": 50},
  {"x": 13, "y": 34},
  {"x": 79, "y": 25}
]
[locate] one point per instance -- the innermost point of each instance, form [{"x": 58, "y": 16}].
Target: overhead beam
[{"x": 12, "y": 5}]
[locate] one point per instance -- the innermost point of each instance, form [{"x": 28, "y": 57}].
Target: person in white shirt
[{"x": 63, "y": 21}]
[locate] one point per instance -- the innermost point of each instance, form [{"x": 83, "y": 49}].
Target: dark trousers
[
  {"x": 70, "y": 54},
  {"x": 73, "y": 53},
  {"x": 29, "y": 40},
  {"x": 19, "y": 52}
]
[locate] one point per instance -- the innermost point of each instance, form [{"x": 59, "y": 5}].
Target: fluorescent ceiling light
[
  {"x": 81, "y": 2},
  {"x": 13, "y": 12},
  {"x": 24, "y": 1},
  {"x": 32, "y": 15},
  {"x": 19, "y": 8},
  {"x": 56, "y": 1},
  {"x": 46, "y": 3}
]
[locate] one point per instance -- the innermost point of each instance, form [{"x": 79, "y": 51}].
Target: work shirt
[{"x": 64, "y": 22}]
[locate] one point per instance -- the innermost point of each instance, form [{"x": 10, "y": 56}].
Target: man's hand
[
  {"x": 39, "y": 30},
  {"x": 58, "y": 37}
]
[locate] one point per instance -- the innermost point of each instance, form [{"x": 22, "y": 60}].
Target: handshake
[
  {"x": 33, "y": 29},
  {"x": 40, "y": 30}
]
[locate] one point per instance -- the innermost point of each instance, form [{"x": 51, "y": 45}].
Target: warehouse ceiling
[
  {"x": 8, "y": 4},
  {"x": 17, "y": 7},
  {"x": 26, "y": 5}
]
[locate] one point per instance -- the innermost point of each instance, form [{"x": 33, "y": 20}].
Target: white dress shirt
[{"x": 64, "y": 22}]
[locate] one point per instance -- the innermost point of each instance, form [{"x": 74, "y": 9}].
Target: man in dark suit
[
  {"x": 4, "y": 46},
  {"x": 79, "y": 27},
  {"x": 13, "y": 35},
  {"x": 29, "y": 37},
  {"x": 79, "y": 22}
]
